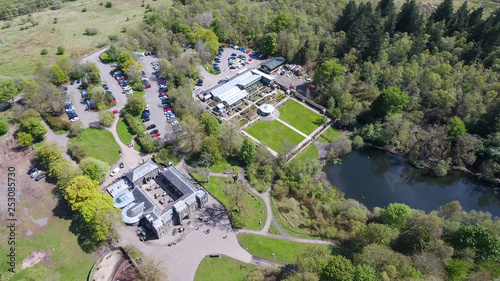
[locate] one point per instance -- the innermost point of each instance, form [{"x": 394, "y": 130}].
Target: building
[
  {"x": 272, "y": 64},
  {"x": 266, "y": 110},
  {"x": 231, "y": 93},
  {"x": 136, "y": 195}
]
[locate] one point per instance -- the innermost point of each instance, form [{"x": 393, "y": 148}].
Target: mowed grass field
[
  {"x": 300, "y": 117},
  {"x": 307, "y": 155},
  {"x": 273, "y": 249},
  {"x": 273, "y": 133},
  {"x": 223, "y": 269},
  {"x": 100, "y": 144},
  {"x": 123, "y": 133},
  {"x": 19, "y": 57}
]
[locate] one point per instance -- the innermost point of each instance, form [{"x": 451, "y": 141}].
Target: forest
[{"x": 13, "y": 8}]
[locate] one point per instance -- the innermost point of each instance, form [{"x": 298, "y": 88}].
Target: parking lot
[{"x": 211, "y": 80}]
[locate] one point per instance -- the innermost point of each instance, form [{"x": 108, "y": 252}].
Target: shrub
[
  {"x": 60, "y": 50},
  {"x": 109, "y": 5},
  {"x": 75, "y": 150},
  {"x": 55, "y": 20},
  {"x": 138, "y": 86},
  {"x": 106, "y": 118},
  {"x": 44, "y": 52},
  {"x": 84, "y": 10},
  {"x": 113, "y": 37},
  {"x": 91, "y": 31},
  {"x": 57, "y": 123},
  {"x": 6, "y": 25},
  {"x": 4, "y": 128}
]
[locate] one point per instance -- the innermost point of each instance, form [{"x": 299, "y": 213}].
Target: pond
[{"x": 377, "y": 178}]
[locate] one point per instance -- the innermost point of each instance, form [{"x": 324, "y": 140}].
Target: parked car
[
  {"x": 32, "y": 170},
  {"x": 156, "y": 135},
  {"x": 154, "y": 131},
  {"x": 145, "y": 119},
  {"x": 146, "y": 84},
  {"x": 40, "y": 176},
  {"x": 233, "y": 54},
  {"x": 121, "y": 165},
  {"x": 35, "y": 173},
  {"x": 105, "y": 86},
  {"x": 152, "y": 126},
  {"x": 200, "y": 82},
  {"x": 115, "y": 171},
  {"x": 78, "y": 81},
  {"x": 72, "y": 82},
  {"x": 115, "y": 111}
]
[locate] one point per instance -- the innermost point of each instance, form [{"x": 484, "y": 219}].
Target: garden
[
  {"x": 300, "y": 117},
  {"x": 99, "y": 144},
  {"x": 273, "y": 134}
]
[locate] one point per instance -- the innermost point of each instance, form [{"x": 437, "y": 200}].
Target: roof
[
  {"x": 266, "y": 76},
  {"x": 232, "y": 96},
  {"x": 184, "y": 185},
  {"x": 117, "y": 188},
  {"x": 133, "y": 213},
  {"x": 124, "y": 199},
  {"x": 180, "y": 206},
  {"x": 250, "y": 80},
  {"x": 274, "y": 63},
  {"x": 231, "y": 83},
  {"x": 141, "y": 171}
]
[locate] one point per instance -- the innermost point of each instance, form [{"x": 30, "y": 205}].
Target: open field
[
  {"x": 123, "y": 133},
  {"x": 330, "y": 135},
  {"x": 22, "y": 53},
  {"x": 307, "y": 155},
  {"x": 273, "y": 133},
  {"x": 273, "y": 249},
  {"x": 223, "y": 269},
  {"x": 42, "y": 225},
  {"x": 300, "y": 117},
  {"x": 99, "y": 144},
  {"x": 249, "y": 220}
]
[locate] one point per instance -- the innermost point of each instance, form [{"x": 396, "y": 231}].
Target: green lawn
[
  {"x": 273, "y": 229},
  {"x": 307, "y": 155},
  {"x": 330, "y": 135},
  {"x": 123, "y": 132},
  {"x": 223, "y": 269},
  {"x": 225, "y": 166},
  {"x": 300, "y": 117},
  {"x": 99, "y": 144},
  {"x": 251, "y": 219},
  {"x": 265, "y": 247},
  {"x": 67, "y": 260},
  {"x": 273, "y": 133}
]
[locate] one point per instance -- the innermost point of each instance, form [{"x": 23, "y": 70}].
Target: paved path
[
  {"x": 274, "y": 153},
  {"x": 293, "y": 128},
  {"x": 61, "y": 139}
]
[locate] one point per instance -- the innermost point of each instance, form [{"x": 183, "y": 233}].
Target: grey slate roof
[
  {"x": 274, "y": 63},
  {"x": 184, "y": 185},
  {"x": 141, "y": 171}
]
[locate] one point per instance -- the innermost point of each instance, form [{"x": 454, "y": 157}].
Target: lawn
[
  {"x": 99, "y": 144},
  {"x": 22, "y": 53},
  {"x": 223, "y": 269},
  {"x": 273, "y": 229},
  {"x": 273, "y": 133},
  {"x": 307, "y": 155},
  {"x": 273, "y": 249},
  {"x": 123, "y": 132},
  {"x": 330, "y": 135},
  {"x": 300, "y": 117},
  {"x": 225, "y": 165},
  {"x": 251, "y": 219}
]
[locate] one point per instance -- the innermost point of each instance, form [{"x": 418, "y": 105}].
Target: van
[{"x": 115, "y": 171}]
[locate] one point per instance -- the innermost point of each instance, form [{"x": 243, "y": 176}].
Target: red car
[
  {"x": 248, "y": 51},
  {"x": 156, "y": 135},
  {"x": 312, "y": 87},
  {"x": 223, "y": 46},
  {"x": 115, "y": 111},
  {"x": 147, "y": 86},
  {"x": 120, "y": 79}
]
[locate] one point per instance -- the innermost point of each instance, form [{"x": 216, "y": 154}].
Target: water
[{"x": 377, "y": 178}]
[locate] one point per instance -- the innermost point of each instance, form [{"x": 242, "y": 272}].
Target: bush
[
  {"x": 106, "y": 118},
  {"x": 109, "y": 5},
  {"x": 75, "y": 150},
  {"x": 113, "y": 37},
  {"x": 4, "y": 128},
  {"x": 357, "y": 142},
  {"x": 57, "y": 123},
  {"x": 91, "y": 31},
  {"x": 138, "y": 86},
  {"x": 84, "y": 10},
  {"x": 6, "y": 25},
  {"x": 60, "y": 50}
]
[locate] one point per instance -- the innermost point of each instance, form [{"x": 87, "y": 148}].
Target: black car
[
  {"x": 165, "y": 102},
  {"x": 153, "y": 132},
  {"x": 145, "y": 119},
  {"x": 152, "y": 126},
  {"x": 122, "y": 165},
  {"x": 200, "y": 82},
  {"x": 40, "y": 176},
  {"x": 32, "y": 170}
]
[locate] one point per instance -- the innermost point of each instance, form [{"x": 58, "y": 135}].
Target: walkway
[
  {"x": 274, "y": 153},
  {"x": 293, "y": 128},
  {"x": 60, "y": 139}
]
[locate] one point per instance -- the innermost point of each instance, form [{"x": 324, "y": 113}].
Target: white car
[
  {"x": 115, "y": 171},
  {"x": 147, "y": 107},
  {"x": 74, "y": 119},
  {"x": 35, "y": 174}
]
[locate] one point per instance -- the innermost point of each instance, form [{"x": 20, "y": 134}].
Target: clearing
[
  {"x": 273, "y": 133},
  {"x": 300, "y": 117},
  {"x": 22, "y": 53},
  {"x": 99, "y": 144}
]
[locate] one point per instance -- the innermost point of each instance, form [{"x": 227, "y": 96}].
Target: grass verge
[
  {"x": 223, "y": 269},
  {"x": 254, "y": 205},
  {"x": 123, "y": 132},
  {"x": 300, "y": 117},
  {"x": 330, "y": 135},
  {"x": 273, "y": 249},
  {"x": 273, "y": 133},
  {"x": 100, "y": 144},
  {"x": 307, "y": 155}
]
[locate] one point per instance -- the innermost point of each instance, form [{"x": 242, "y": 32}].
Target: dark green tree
[
  {"x": 269, "y": 44},
  {"x": 210, "y": 124},
  {"x": 459, "y": 20},
  {"x": 347, "y": 18},
  {"x": 409, "y": 19},
  {"x": 281, "y": 22},
  {"x": 8, "y": 90},
  {"x": 396, "y": 215},
  {"x": 480, "y": 239},
  {"x": 444, "y": 12},
  {"x": 339, "y": 269},
  {"x": 247, "y": 151}
]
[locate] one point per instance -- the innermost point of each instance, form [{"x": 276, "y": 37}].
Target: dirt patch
[{"x": 35, "y": 258}]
